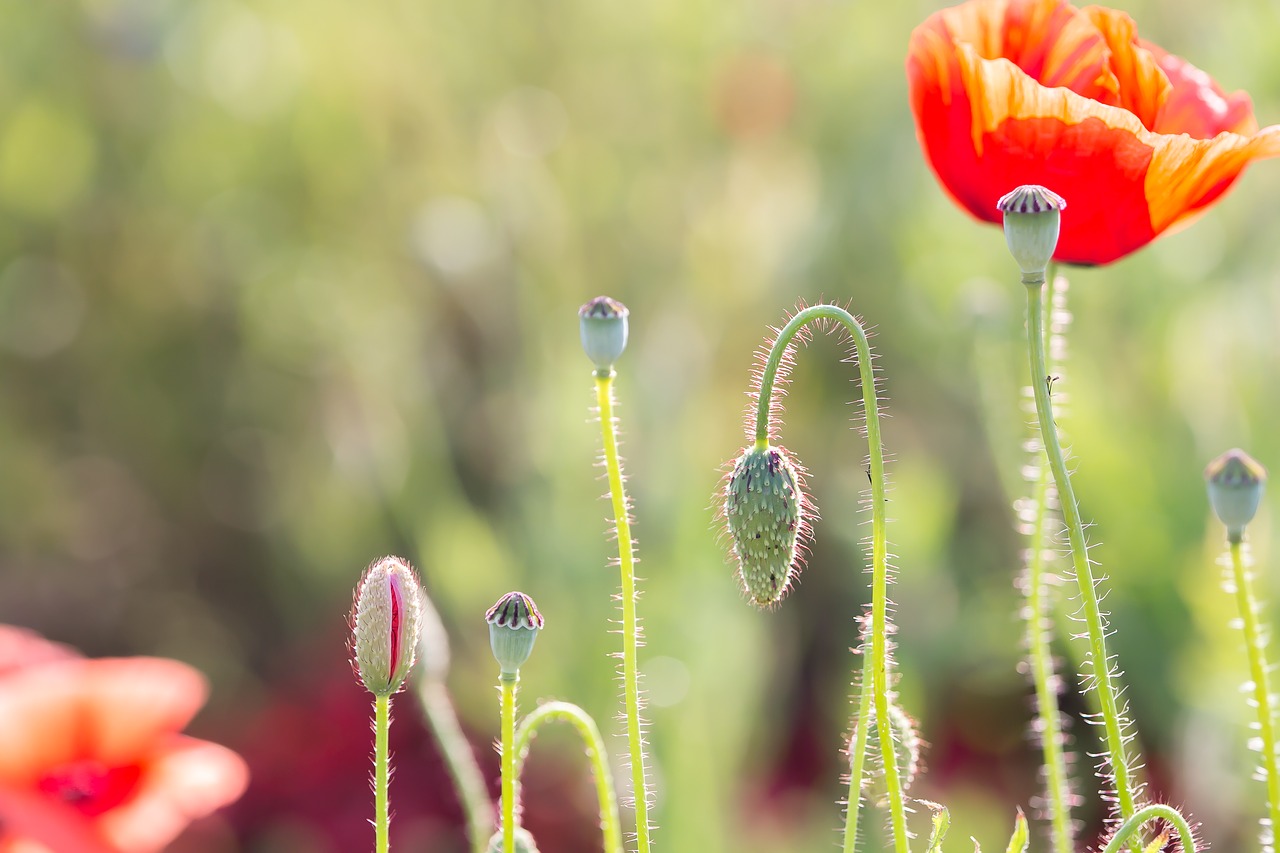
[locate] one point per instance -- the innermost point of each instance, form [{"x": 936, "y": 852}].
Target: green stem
[
  {"x": 630, "y": 634},
  {"x": 508, "y": 686},
  {"x": 590, "y": 734},
  {"x": 1255, "y": 644},
  {"x": 1117, "y": 754},
  {"x": 879, "y": 662},
  {"x": 1039, "y": 641},
  {"x": 460, "y": 760},
  {"x": 381, "y": 770},
  {"x": 857, "y": 757},
  {"x": 1130, "y": 828}
]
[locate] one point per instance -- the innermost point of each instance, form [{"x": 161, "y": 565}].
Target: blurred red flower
[
  {"x": 1012, "y": 92},
  {"x": 90, "y": 756}
]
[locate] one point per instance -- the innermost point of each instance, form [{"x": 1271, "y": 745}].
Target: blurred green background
[{"x": 287, "y": 286}]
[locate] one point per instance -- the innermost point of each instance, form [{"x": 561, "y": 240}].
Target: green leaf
[{"x": 1018, "y": 842}]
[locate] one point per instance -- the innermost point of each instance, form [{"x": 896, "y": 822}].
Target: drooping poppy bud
[
  {"x": 1032, "y": 220},
  {"x": 764, "y": 510},
  {"x": 514, "y": 623},
  {"x": 602, "y": 323},
  {"x": 386, "y": 625},
  {"x": 1236, "y": 482}
]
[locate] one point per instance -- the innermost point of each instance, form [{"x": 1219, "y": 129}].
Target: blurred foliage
[{"x": 285, "y": 287}]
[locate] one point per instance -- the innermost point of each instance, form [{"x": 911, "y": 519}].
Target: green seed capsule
[
  {"x": 514, "y": 623},
  {"x": 602, "y": 323},
  {"x": 764, "y": 511},
  {"x": 1236, "y": 482}
]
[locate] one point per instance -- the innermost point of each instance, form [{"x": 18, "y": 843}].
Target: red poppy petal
[
  {"x": 110, "y": 710},
  {"x": 1187, "y": 174},
  {"x": 1144, "y": 87},
  {"x": 1197, "y": 105},
  {"x": 133, "y": 700},
  {"x": 1049, "y": 40},
  {"x": 189, "y": 779},
  {"x": 20, "y": 647},
  {"x": 33, "y": 822}
]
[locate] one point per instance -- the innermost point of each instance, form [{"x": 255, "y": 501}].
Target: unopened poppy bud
[
  {"x": 1236, "y": 482},
  {"x": 1032, "y": 218},
  {"x": 764, "y": 511},
  {"x": 603, "y": 325},
  {"x": 387, "y": 620},
  {"x": 514, "y": 623},
  {"x": 524, "y": 842}
]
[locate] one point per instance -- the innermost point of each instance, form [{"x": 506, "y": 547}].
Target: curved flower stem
[
  {"x": 460, "y": 760},
  {"x": 590, "y": 734},
  {"x": 1255, "y": 644},
  {"x": 1117, "y": 754},
  {"x": 879, "y": 661},
  {"x": 1039, "y": 638},
  {"x": 508, "y": 687},
  {"x": 1130, "y": 827},
  {"x": 630, "y": 634},
  {"x": 381, "y": 770}
]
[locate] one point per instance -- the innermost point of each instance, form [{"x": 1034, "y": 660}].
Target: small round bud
[
  {"x": 603, "y": 324},
  {"x": 514, "y": 623},
  {"x": 764, "y": 510},
  {"x": 524, "y": 842},
  {"x": 386, "y": 624},
  {"x": 1032, "y": 216},
  {"x": 1236, "y": 482}
]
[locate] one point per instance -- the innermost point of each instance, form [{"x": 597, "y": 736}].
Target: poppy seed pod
[
  {"x": 386, "y": 625},
  {"x": 1236, "y": 482},
  {"x": 514, "y": 623},
  {"x": 764, "y": 512},
  {"x": 1032, "y": 219},
  {"x": 602, "y": 323}
]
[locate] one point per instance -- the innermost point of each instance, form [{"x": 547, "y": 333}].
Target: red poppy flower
[
  {"x": 91, "y": 760},
  {"x": 1012, "y": 92}
]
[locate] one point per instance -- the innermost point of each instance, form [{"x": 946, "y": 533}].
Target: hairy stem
[
  {"x": 630, "y": 633},
  {"x": 1039, "y": 638},
  {"x": 381, "y": 771},
  {"x": 1117, "y": 754},
  {"x": 460, "y": 760},
  {"x": 508, "y": 687},
  {"x": 1128, "y": 830},
  {"x": 590, "y": 734},
  {"x": 1255, "y": 647},
  {"x": 879, "y": 658}
]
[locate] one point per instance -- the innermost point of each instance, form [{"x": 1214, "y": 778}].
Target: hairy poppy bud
[
  {"x": 1032, "y": 218},
  {"x": 603, "y": 325},
  {"x": 387, "y": 620},
  {"x": 1236, "y": 482},
  {"x": 764, "y": 511},
  {"x": 514, "y": 623},
  {"x": 524, "y": 842}
]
